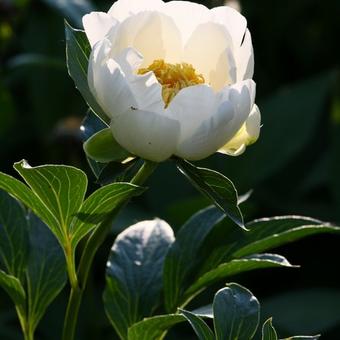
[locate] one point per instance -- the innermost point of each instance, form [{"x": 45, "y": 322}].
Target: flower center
[{"x": 173, "y": 77}]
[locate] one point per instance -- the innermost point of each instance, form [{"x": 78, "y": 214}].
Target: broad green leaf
[
  {"x": 23, "y": 193},
  {"x": 46, "y": 270},
  {"x": 218, "y": 188},
  {"x": 263, "y": 234},
  {"x": 102, "y": 147},
  {"x": 78, "y": 51},
  {"x": 72, "y": 9},
  {"x": 33, "y": 259},
  {"x": 268, "y": 331},
  {"x": 204, "y": 311},
  {"x": 201, "y": 329},
  {"x": 14, "y": 289},
  {"x": 98, "y": 205},
  {"x": 236, "y": 313},
  {"x": 134, "y": 273},
  {"x": 154, "y": 328},
  {"x": 268, "y": 233},
  {"x": 61, "y": 190},
  {"x": 183, "y": 257},
  {"x": 224, "y": 270},
  {"x": 14, "y": 243}
]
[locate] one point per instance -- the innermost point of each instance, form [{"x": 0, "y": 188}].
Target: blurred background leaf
[{"x": 293, "y": 168}]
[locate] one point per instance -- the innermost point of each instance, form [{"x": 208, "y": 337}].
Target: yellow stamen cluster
[{"x": 173, "y": 77}]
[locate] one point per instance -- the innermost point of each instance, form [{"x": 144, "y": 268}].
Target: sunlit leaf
[
  {"x": 201, "y": 329},
  {"x": 268, "y": 331},
  {"x": 78, "y": 50},
  {"x": 102, "y": 147},
  {"x": 215, "y": 186},
  {"x": 154, "y": 328},
  {"x": 224, "y": 270},
  {"x": 236, "y": 313},
  {"x": 97, "y": 207},
  {"x": 61, "y": 189},
  {"x": 134, "y": 273}
]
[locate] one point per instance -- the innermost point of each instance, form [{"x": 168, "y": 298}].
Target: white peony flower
[{"x": 174, "y": 78}]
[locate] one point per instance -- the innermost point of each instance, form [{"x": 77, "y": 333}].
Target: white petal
[
  {"x": 123, "y": 9},
  {"x": 97, "y": 25},
  {"x": 209, "y": 51},
  {"x": 242, "y": 96},
  {"x": 234, "y": 22},
  {"x": 187, "y": 16},
  {"x": 245, "y": 59},
  {"x": 153, "y": 34},
  {"x": 209, "y": 136},
  {"x": 191, "y": 106},
  {"x": 146, "y": 134},
  {"x": 146, "y": 89},
  {"x": 107, "y": 81},
  {"x": 247, "y": 135},
  {"x": 209, "y": 121}
]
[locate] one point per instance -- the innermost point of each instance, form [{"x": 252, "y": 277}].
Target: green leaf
[
  {"x": 14, "y": 289},
  {"x": 154, "y": 328},
  {"x": 78, "y": 51},
  {"x": 268, "y": 331},
  {"x": 98, "y": 205},
  {"x": 268, "y": 233},
  {"x": 183, "y": 257},
  {"x": 14, "y": 245},
  {"x": 102, "y": 147},
  {"x": 60, "y": 189},
  {"x": 224, "y": 270},
  {"x": 23, "y": 193},
  {"x": 46, "y": 270},
  {"x": 236, "y": 313},
  {"x": 218, "y": 188},
  {"x": 134, "y": 273},
  {"x": 201, "y": 329}
]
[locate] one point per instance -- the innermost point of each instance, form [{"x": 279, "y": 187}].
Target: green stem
[
  {"x": 92, "y": 245},
  {"x": 26, "y": 328},
  {"x": 70, "y": 264},
  {"x": 72, "y": 311}
]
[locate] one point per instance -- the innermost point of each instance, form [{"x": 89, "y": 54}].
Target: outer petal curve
[
  {"x": 107, "y": 82},
  {"x": 123, "y": 9},
  {"x": 219, "y": 118},
  {"x": 97, "y": 25},
  {"x": 147, "y": 134},
  {"x": 247, "y": 135}
]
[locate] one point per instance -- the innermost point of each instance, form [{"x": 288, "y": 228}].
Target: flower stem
[
  {"x": 26, "y": 327},
  {"x": 72, "y": 311},
  {"x": 92, "y": 245}
]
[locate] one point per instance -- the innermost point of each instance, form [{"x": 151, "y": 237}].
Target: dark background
[{"x": 294, "y": 168}]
